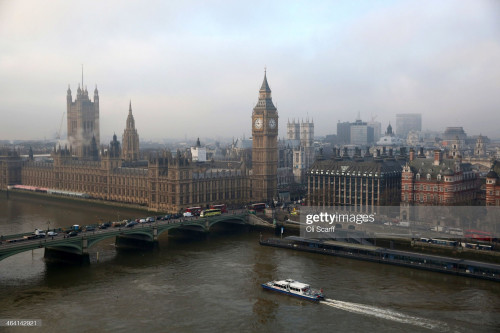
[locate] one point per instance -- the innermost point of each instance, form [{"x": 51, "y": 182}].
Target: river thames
[{"x": 211, "y": 283}]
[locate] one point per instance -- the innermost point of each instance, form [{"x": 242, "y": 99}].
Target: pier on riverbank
[{"x": 441, "y": 264}]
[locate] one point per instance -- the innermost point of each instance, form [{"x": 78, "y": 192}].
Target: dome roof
[
  {"x": 448, "y": 172},
  {"x": 389, "y": 140}
]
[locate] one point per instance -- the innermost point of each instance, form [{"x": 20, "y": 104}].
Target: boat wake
[{"x": 386, "y": 314}]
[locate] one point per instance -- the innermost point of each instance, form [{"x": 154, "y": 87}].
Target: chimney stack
[
  {"x": 412, "y": 154},
  {"x": 346, "y": 154},
  {"x": 421, "y": 153},
  {"x": 334, "y": 153},
  {"x": 438, "y": 156}
]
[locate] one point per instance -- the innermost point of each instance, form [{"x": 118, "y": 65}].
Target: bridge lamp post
[{"x": 273, "y": 212}]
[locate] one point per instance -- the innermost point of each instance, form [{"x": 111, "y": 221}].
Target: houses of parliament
[{"x": 170, "y": 182}]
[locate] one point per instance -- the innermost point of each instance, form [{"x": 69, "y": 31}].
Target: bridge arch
[
  {"x": 229, "y": 219},
  {"x": 79, "y": 245},
  {"x": 147, "y": 232},
  {"x": 193, "y": 224},
  {"x": 73, "y": 247},
  {"x": 17, "y": 251}
]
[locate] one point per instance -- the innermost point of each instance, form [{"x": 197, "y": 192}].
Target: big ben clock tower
[{"x": 264, "y": 146}]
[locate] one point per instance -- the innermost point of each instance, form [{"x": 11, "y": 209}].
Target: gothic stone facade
[
  {"x": 83, "y": 123},
  {"x": 264, "y": 147},
  {"x": 301, "y": 136},
  {"x": 168, "y": 183},
  {"x": 130, "y": 139},
  {"x": 10, "y": 168}
]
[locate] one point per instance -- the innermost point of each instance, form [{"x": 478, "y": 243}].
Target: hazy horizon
[{"x": 194, "y": 68}]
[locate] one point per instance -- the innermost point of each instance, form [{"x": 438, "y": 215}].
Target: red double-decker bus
[
  {"x": 258, "y": 207},
  {"x": 195, "y": 211},
  {"x": 222, "y": 207},
  {"x": 478, "y": 235}
]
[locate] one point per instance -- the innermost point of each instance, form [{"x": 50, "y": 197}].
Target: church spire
[
  {"x": 130, "y": 118},
  {"x": 130, "y": 138},
  {"x": 389, "y": 130}
]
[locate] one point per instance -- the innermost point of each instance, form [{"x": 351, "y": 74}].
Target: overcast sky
[{"x": 194, "y": 68}]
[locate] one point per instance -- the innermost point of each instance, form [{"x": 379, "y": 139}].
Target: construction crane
[{"x": 60, "y": 129}]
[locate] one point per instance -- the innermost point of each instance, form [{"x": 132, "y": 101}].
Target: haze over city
[{"x": 194, "y": 68}]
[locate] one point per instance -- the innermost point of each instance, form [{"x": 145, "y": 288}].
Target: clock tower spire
[{"x": 264, "y": 146}]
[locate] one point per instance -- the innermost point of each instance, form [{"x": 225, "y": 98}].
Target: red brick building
[
  {"x": 438, "y": 181},
  {"x": 493, "y": 187}
]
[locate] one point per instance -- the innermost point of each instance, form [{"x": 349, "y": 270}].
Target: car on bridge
[
  {"x": 131, "y": 224},
  {"x": 51, "y": 233},
  {"x": 118, "y": 224},
  {"x": 105, "y": 225},
  {"x": 72, "y": 234},
  {"x": 39, "y": 233}
]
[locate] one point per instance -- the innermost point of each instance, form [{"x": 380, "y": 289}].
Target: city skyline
[{"x": 194, "y": 69}]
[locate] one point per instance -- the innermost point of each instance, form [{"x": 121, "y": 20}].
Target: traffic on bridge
[{"x": 78, "y": 239}]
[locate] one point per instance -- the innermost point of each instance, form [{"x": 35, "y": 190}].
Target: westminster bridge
[{"x": 77, "y": 247}]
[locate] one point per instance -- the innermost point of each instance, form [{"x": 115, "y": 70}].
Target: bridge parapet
[{"x": 80, "y": 244}]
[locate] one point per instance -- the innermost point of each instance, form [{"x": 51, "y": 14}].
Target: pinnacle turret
[
  {"x": 130, "y": 117},
  {"x": 265, "y": 85},
  {"x": 265, "y": 98},
  {"x": 389, "y": 130},
  {"x": 130, "y": 138}
]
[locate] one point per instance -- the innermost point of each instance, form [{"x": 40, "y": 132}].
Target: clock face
[
  {"x": 272, "y": 123},
  {"x": 258, "y": 123}
]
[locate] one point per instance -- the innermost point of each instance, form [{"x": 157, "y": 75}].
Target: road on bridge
[{"x": 46, "y": 241}]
